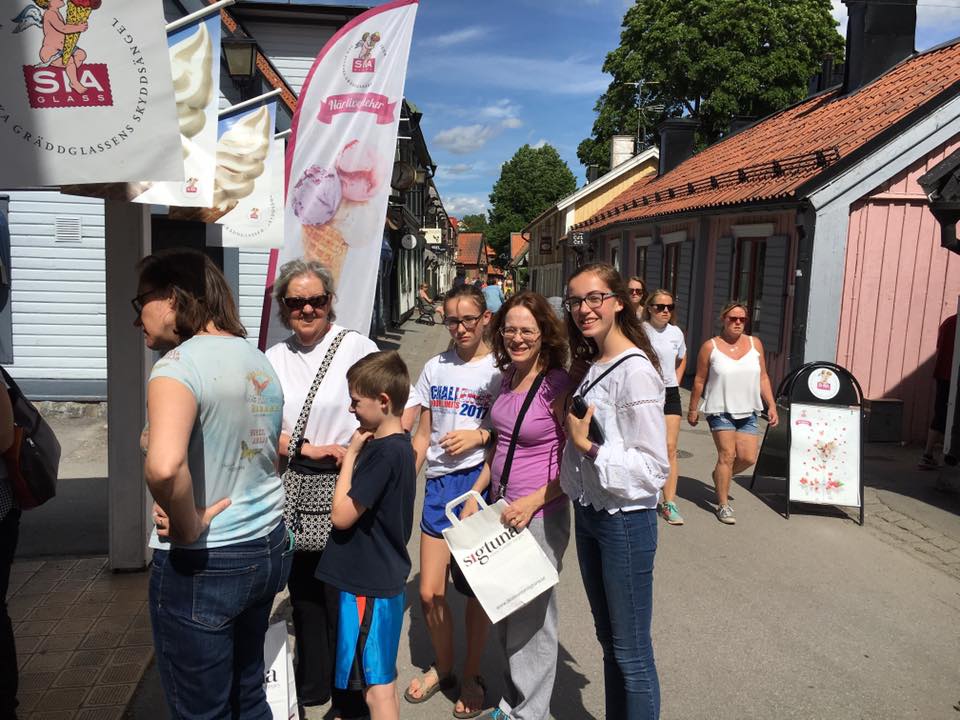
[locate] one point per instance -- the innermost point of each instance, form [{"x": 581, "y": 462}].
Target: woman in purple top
[{"x": 529, "y": 341}]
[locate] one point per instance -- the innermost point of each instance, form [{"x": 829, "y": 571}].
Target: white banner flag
[
  {"x": 257, "y": 220},
  {"x": 195, "y": 63},
  {"x": 86, "y": 93},
  {"x": 243, "y": 146},
  {"x": 340, "y": 158}
]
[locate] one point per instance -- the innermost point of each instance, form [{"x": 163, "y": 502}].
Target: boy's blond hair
[{"x": 381, "y": 372}]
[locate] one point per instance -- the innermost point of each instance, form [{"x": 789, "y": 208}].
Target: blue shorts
[
  {"x": 724, "y": 421},
  {"x": 368, "y": 638},
  {"x": 441, "y": 490}
]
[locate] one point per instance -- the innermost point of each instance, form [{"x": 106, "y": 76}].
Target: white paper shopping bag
[
  {"x": 506, "y": 568},
  {"x": 278, "y": 680}
]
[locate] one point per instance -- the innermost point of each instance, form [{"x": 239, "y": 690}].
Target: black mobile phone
[{"x": 578, "y": 406}]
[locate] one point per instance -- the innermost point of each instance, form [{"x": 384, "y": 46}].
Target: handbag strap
[
  {"x": 508, "y": 461},
  {"x": 296, "y": 437},
  {"x": 607, "y": 372}
]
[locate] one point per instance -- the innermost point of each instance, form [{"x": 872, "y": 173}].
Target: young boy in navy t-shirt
[{"x": 366, "y": 556}]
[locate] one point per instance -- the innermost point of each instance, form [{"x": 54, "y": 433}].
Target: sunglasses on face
[
  {"x": 299, "y": 303},
  {"x": 469, "y": 322},
  {"x": 635, "y": 291},
  {"x": 593, "y": 300},
  {"x": 661, "y": 307},
  {"x": 736, "y": 319},
  {"x": 140, "y": 300}
]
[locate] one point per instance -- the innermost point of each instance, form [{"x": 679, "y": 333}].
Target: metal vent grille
[{"x": 68, "y": 230}]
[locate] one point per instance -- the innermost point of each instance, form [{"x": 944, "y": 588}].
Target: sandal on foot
[
  {"x": 427, "y": 691},
  {"x": 479, "y": 689}
]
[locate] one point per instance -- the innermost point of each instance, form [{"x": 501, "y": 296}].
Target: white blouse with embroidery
[{"x": 632, "y": 463}]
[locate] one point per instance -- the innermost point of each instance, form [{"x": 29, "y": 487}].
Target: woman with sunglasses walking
[
  {"x": 733, "y": 383},
  {"x": 304, "y": 291},
  {"x": 671, "y": 348},
  {"x": 614, "y": 464},
  {"x": 637, "y": 290},
  {"x": 456, "y": 391}
]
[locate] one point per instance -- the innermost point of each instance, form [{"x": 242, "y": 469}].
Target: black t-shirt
[{"x": 370, "y": 558}]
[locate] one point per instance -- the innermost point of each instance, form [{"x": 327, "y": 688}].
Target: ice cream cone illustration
[
  {"x": 191, "y": 61},
  {"x": 78, "y": 12},
  {"x": 325, "y": 244}
]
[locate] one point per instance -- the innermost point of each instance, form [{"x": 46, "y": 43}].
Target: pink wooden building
[{"x": 813, "y": 217}]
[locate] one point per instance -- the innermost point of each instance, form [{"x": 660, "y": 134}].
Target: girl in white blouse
[{"x": 613, "y": 479}]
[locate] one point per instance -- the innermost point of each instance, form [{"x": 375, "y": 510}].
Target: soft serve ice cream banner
[
  {"x": 195, "y": 63},
  {"x": 340, "y": 157},
  {"x": 257, "y": 220},
  {"x": 86, "y": 93},
  {"x": 245, "y": 137}
]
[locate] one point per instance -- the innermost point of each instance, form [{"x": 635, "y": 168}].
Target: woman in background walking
[
  {"x": 733, "y": 382},
  {"x": 671, "y": 348}
]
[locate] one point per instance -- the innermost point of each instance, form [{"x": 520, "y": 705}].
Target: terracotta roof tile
[
  {"x": 468, "y": 248},
  {"x": 771, "y": 159}
]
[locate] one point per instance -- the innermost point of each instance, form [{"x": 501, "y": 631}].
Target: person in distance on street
[
  {"x": 671, "y": 348},
  {"x": 637, "y": 289},
  {"x": 614, "y": 464},
  {"x": 366, "y": 557},
  {"x": 733, "y": 383},
  {"x": 530, "y": 347}
]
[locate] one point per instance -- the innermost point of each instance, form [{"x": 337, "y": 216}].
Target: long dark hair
[
  {"x": 199, "y": 290},
  {"x": 553, "y": 337},
  {"x": 584, "y": 348}
]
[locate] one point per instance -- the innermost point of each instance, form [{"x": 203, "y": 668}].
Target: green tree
[
  {"x": 709, "y": 59},
  {"x": 530, "y": 182},
  {"x": 474, "y": 223}
]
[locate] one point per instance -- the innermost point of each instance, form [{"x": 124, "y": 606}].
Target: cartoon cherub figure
[
  {"x": 825, "y": 376},
  {"x": 55, "y": 32},
  {"x": 368, "y": 41}
]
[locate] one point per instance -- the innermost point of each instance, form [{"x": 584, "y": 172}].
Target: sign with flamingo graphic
[{"x": 825, "y": 454}]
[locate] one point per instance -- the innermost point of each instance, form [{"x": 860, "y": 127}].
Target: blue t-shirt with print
[{"x": 233, "y": 445}]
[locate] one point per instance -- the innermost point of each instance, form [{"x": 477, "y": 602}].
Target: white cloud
[
  {"x": 460, "y": 205},
  {"x": 503, "y": 108},
  {"x": 459, "y": 168},
  {"x": 465, "y": 139},
  {"x": 539, "y": 144},
  {"x": 840, "y": 15},
  {"x": 512, "y": 123},
  {"x": 574, "y": 75},
  {"x": 457, "y": 37}
]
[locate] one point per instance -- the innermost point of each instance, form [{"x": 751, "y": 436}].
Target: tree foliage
[
  {"x": 474, "y": 223},
  {"x": 709, "y": 59},
  {"x": 530, "y": 182}
]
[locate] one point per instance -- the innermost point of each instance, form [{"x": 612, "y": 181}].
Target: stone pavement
[{"x": 812, "y": 617}]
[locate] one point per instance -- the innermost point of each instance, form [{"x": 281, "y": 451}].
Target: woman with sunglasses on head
[
  {"x": 671, "y": 348},
  {"x": 613, "y": 473},
  {"x": 530, "y": 346},
  {"x": 456, "y": 390},
  {"x": 221, "y": 548},
  {"x": 304, "y": 291},
  {"x": 637, "y": 290},
  {"x": 733, "y": 382}
]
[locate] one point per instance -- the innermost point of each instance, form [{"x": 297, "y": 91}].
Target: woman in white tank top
[{"x": 732, "y": 367}]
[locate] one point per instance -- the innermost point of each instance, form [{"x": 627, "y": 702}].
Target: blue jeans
[
  {"x": 616, "y": 561},
  {"x": 209, "y": 610}
]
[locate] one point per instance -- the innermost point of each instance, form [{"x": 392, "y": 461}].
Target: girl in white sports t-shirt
[{"x": 456, "y": 390}]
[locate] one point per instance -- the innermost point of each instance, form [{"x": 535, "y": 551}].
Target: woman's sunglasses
[
  {"x": 299, "y": 303},
  {"x": 635, "y": 291},
  {"x": 661, "y": 307}
]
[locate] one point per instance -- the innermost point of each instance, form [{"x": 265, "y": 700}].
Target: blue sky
[{"x": 491, "y": 75}]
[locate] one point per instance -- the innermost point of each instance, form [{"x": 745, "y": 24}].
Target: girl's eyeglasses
[
  {"x": 469, "y": 322},
  {"x": 593, "y": 300}
]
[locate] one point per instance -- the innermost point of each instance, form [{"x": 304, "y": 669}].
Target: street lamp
[{"x": 241, "y": 56}]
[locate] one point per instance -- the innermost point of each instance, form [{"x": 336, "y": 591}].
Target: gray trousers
[{"x": 529, "y": 636}]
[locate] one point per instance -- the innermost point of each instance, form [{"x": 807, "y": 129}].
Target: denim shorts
[
  {"x": 441, "y": 490},
  {"x": 724, "y": 421}
]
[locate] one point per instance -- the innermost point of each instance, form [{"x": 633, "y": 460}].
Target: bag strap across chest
[
  {"x": 296, "y": 437},
  {"x": 508, "y": 461},
  {"x": 606, "y": 372}
]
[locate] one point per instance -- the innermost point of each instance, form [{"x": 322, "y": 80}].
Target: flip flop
[
  {"x": 482, "y": 686},
  {"x": 443, "y": 683}
]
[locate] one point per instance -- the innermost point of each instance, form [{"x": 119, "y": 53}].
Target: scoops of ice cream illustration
[
  {"x": 191, "y": 61},
  {"x": 241, "y": 153},
  {"x": 316, "y": 197},
  {"x": 357, "y": 167}
]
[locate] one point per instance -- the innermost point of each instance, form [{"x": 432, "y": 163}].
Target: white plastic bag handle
[{"x": 457, "y": 500}]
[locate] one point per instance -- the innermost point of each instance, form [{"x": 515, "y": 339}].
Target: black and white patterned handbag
[{"x": 308, "y": 485}]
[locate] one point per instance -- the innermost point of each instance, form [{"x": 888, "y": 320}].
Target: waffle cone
[
  {"x": 75, "y": 16},
  {"x": 124, "y": 192},
  {"x": 325, "y": 244},
  {"x": 206, "y": 215}
]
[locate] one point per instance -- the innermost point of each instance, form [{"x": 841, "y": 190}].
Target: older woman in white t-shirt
[
  {"x": 304, "y": 291},
  {"x": 670, "y": 346}
]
